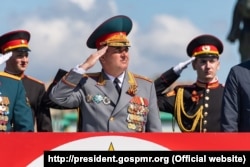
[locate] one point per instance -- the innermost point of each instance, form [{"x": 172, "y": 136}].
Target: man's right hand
[
  {"x": 93, "y": 58},
  {"x": 178, "y": 68},
  {"x": 5, "y": 57}
]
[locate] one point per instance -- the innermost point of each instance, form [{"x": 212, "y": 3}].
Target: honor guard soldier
[
  {"x": 114, "y": 99},
  {"x": 15, "y": 111},
  {"x": 17, "y": 42},
  {"x": 196, "y": 107}
]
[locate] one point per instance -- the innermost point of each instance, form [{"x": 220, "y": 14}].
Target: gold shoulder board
[
  {"x": 4, "y": 74},
  {"x": 142, "y": 77},
  {"x": 97, "y": 74},
  {"x": 34, "y": 79}
]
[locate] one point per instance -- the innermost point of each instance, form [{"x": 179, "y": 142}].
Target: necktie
[{"x": 116, "y": 83}]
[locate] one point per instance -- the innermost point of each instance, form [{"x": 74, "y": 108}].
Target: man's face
[
  {"x": 18, "y": 62},
  {"x": 115, "y": 60},
  {"x": 206, "y": 68}
]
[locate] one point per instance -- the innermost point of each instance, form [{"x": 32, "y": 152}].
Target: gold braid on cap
[
  {"x": 115, "y": 43},
  {"x": 179, "y": 109},
  {"x": 114, "y": 39}
]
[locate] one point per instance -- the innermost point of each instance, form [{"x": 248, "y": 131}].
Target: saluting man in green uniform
[
  {"x": 15, "y": 111},
  {"x": 35, "y": 89}
]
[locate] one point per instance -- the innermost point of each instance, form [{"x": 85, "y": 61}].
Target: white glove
[
  {"x": 178, "y": 68},
  {"x": 5, "y": 57}
]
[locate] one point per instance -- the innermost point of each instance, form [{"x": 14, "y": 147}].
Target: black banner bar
[{"x": 159, "y": 158}]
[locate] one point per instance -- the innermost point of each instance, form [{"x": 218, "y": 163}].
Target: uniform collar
[
  {"x": 213, "y": 84},
  {"x": 21, "y": 75}
]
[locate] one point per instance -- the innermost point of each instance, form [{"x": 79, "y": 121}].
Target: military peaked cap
[
  {"x": 112, "y": 32},
  {"x": 14, "y": 40},
  {"x": 204, "y": 45}
]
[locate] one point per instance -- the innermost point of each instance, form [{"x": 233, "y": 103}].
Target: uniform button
[
  {"x": 204, "y": 130},
  {"x": 207, "y": 90},
  {"x": 207, "y": 98},
  {"x": 205, "y": 122},
  {"x": 205, "y": 114},
  {"x": 206, "y": 105},
  {"x": 111, "y": 118}
]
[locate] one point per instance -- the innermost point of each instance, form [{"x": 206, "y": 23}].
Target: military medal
[
  {"x": 97, "y": 98},
  {"x": 131, "y": 108},
  {"x": 137, "y": 113},
  {"x": 131, "y": 126},
  {"x": 89, "y": 98},
  {"x": 136, "y": 126},
  {"x": 106, "y": 100},
  {"x": 3, "y": 127},
  {"x": 139, "y": 128},
  {"x": 6, "y": 118},
  {"x": 4, "y": 112},
  {"x": 138, "y": 105},
  {"x": 135, "y": 118}
]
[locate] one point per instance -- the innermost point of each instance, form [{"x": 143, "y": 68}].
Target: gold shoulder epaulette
[
  {"x": 9, "y": 75},
  {"x": 142, "y": 77},
  {"x": 96, "y": 74},
  {"x": 34, "y": 79}
]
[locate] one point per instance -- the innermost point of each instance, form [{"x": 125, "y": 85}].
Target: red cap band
[
  {"x": 14, "y": 44},
  {"x": 205, "y": 49}
]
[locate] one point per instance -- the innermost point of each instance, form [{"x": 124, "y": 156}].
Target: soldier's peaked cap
[
  {"x": 112, "y": 32},
  {"x": 14, "y": 40},
  {"x": 204, "y": 44}
]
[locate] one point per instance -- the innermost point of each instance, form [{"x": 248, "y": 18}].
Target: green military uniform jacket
[{"x": 15, "y": 112}]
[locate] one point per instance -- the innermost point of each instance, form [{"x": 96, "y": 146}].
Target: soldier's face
[
  {"x": 206, "y": 68},
  {"x": 18, "y": 62},
  {"x": 115, "y": 60}
]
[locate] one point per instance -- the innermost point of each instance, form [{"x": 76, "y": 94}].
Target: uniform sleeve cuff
[{"x": 78, "y": 70}]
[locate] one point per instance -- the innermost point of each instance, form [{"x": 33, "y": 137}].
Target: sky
[{"x": 159, "y": 36}]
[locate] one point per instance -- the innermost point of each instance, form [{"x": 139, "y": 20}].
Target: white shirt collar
[{"x": 120, "y": 77}]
